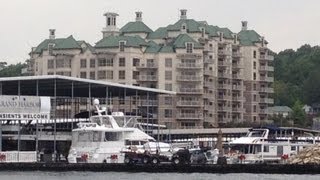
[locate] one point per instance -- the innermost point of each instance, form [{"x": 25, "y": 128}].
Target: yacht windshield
[
  {"x": 256, "y": 134},
  {"x": 86, "y": 136}
]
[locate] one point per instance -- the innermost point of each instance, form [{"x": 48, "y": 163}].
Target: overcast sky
[{"x": 25, "y": 23}]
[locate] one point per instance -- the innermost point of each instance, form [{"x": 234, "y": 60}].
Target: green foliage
[
  {"x": 298, "y": 115},
  {"x": 297, "y": 76},
  {"x": 12, "y": 70}
]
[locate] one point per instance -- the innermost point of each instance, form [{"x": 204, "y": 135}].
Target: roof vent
[
  {"x": 183, "y": 14},
  {"x": 139, "y": 16},
  {"x": 244, "y": 25},
  {"x": 52, "y": 34}
]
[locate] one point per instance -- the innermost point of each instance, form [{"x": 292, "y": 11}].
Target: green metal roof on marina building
[
  {"x": 61, "y": 43},
  {"x": 166, "y": 49},
  {"x": 160, "y": 33},
  {"x": 192, "y": 25},
  {"x": 182, "y": 39},
  {"x": 113, "y": 41},
  {"x": 213, "y": 31},
  {"x": 152, "y": 47},
  {"x": 248, "y": 37},
  {"x": 135, "y": 27},
  {"x": 88, "y": 46}
]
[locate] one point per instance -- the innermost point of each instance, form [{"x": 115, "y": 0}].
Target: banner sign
[{"x": 24, "y": 107}]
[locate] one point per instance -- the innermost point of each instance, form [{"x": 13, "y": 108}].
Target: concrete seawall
[{"x": 165, "y": 168}]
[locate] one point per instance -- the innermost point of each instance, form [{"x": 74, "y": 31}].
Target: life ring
[
  {"x": 285, "y": 156},
  {"x": 114, "y": 157},
  {"x": 2, "y": 157},
  {"x": 242, "y": 157},
  {"x": 84, "y": 157}
]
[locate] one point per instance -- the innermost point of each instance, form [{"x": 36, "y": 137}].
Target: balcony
[
  {"x": 266, "y": 57},
  {"x": 224, "y": 75},
  {"x": 223, "y": 63},
  {"x": 189, "y": 90},
  {"x": 263, "y": 111},
  {"x": 238, "y": 110},
  {"x": 224, "y": 97},
  {"x": 189, "y": 116},
  {"x": 208, "y": 60},
  {"x": 266, "y": 79},
  {"x": 224, "y": 86},
  {"x": 237, "y": 98},
  {"x": 266, "y": 68},
  {"x": 208, "y": 96},
  {"x": 266, "y": 100},
  {"x": 236, "y": 76},
  {"x": 196, "y": 103},
  {"x": 147, "y": 78},
  {"x": 223, "y": 120},
  {"x": 147, "y": 65},
  {"x": 189, "y": 66},
  {"x": 149, "y": 103},
  {"x": 223, "y": 52},
  {"x": 237, "y": 88},
  {"x": 208, "y": 108},
  {"x": 267, "y": 90},
  {"x": 224, "y": 108},
  {"x": 237, "y": 65},
  {"x": 189, "y": 78},
  {"x": 208, "y": 72},
  {"x": 208, "y": 84},
  {"x": 236, "y": 54}
]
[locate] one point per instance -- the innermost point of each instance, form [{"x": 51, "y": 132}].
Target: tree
[
  {"x": 298, "y": 115},
  {"x": 12, "y": 70}
]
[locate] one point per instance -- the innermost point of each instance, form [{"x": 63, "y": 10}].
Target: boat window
[
  {"x": 266, "y": 149},
  {"x": 112, "y": 136},
  {"x": 293, "y": 148},
  {"x": 256, "y": 134},
  {"x": 258, "y": 149},
  {"x": 87, "y": 136}
]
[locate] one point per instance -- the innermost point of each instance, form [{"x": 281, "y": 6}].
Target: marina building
[{"x": 219, "y": 76}]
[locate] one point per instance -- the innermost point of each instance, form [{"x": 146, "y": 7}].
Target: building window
[
  {"x": 168, "y": 100},
  {"x": 83, "y": 75},
  {"x": 254, "y": 76},
  {"x": 254, "y": 87},
  {"x": 122, "y": 62},
  {"x": 63, "y": 63},
  {"x": 135, "y": 74},
  {"x": 189, "y": 47},
  {"x": 220, "y": 36},
  {"x": 50, "y": 48},
  {"x": 168, "y": 75},
  {"x": 50, "y": 64},
  {"x": 50, "y": 73},
  {"x": 254, "y": 65},
  {"x": 92, "y": 75},
  {"x": 102, "y": 62},
  {"x": 83, "y": 63},
  {"x": 121, "y": 46},
  {"x": 109, "y": 74},
  {"x": 254, "y": 97},
  {"x": 122, "y": 74},
  {"x": 202, "y": 32},
  {"x": 254, "y": 108},
  {"x": 136, "y": 62},
  {"x": 92, "y": 63},
  {"x": 168, "y": 113},
  {"x": 109, "y": 62},
  {"x": 101, "y": 74},
  {"x": 168, "y": 87},
  {"x": 109, "y": 21},
  {"x": 168, "y": 62},
  {"x": 254, "y": 54}
]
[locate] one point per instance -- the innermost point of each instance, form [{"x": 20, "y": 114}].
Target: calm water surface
[{"x": 36, "y": 175}]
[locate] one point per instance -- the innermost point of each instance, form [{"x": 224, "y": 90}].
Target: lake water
[{"x": 72, "y": 175}]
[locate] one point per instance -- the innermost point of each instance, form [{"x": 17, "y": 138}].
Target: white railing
[{"x": 18, "y": 156}]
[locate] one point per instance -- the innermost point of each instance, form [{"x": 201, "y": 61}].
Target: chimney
[
  {"x": 183, "y": 14},
  {"x": 52, "y": 34},
  {"x": 244, "y": 25},
  {"x": 262, "y": 41},
  {"x": 139, "y": 16}
]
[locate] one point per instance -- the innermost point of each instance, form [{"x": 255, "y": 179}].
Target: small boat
[
  {"x": 263, "y": 145},
  {"x": 103, "y": 139}
]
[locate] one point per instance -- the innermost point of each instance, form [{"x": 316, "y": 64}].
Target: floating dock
[{"x": 166, "y": 168}]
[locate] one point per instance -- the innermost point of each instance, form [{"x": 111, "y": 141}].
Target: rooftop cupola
[
  {"x": 183, "y": 14},
  {"x": 111, "y": 24},
  {"x": 244, "y": 25},
  {"x": 52, "y": 33},
  {"x": 139, "y": 16}
]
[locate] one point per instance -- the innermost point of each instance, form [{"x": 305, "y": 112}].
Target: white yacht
[
  {"x": 103, "y": 139},
  {"x": 259, "y": 145}
]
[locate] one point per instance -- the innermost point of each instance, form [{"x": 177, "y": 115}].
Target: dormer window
[
  {"x": 50, "y": 48},
  {"x": 203, "y": 30},
  {"x": 220, "y": 36},
  {"x": 189, "y": 47},
  {"x": 184, "y": 27},
  {"x": 121, "y": 45}
]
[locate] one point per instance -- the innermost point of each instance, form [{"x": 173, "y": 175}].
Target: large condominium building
[{"x": 219, "y": 76}]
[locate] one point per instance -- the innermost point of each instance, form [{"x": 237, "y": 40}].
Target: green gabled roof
[
  {"x": 59, "y": 43},
  {"x": 182, "y": 39},
  {"x": 248, "y": 37},
  {"x": 213, "y": 30},
  {"x": 166, "y": 49},
  {"x": 192, "y": 25},
  {"x": 68, "y": 43},
  {"x": 160, "y": 33},
  {"x": 88, "y": 46},
  {"x": 152, "y": 47},
  {"x": 227, "y": 33},
  {"x": 113, "y": 41},
  {"x": 135, "y": 27}
]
